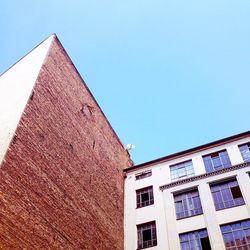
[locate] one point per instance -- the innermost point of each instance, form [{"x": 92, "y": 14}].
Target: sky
[{"x": 168, "y": 74}]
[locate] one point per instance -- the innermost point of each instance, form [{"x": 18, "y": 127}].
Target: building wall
[
  {"x": 61, "y": 181},
  {"x": 163, "y": 209},
  {"x": 16, "y": 85}
]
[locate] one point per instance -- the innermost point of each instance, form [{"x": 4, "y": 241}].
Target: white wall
[
  {"x": 16, "y": 85},
  {"x": 163, "y": 210}
]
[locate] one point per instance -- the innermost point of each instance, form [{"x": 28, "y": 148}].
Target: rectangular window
[
  {"x": 146, "y": 234},
  {"x": 245, "y": 152},
  {"x": 144, "y": 197},
  {"x": 187, "y": 204},
  {"x": 196, "y": 240},
  {"x": 236, "y": 235},
  {"x": 181, "y": 170},
  {"x": 143, "y": 175},
  {"x": 216, "y": 161},
  {"x": 226, "y": 194}
]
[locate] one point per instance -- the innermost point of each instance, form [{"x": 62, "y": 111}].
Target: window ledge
[
  {"x": 229, "y": 207},
  {"x": 191, "y": 216}
]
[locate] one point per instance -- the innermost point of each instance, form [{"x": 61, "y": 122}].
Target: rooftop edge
[{"x": 189, "y": 151}]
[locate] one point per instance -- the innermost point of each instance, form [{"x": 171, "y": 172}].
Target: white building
[{"x": 195, "y": 199}]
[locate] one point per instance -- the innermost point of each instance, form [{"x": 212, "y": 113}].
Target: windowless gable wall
[{"x": 61, "y": 180}]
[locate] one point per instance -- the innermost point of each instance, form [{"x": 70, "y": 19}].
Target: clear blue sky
[{"x": 168, "y": 74}]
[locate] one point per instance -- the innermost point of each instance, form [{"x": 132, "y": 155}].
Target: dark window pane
[
  {"x": 146, "y": 235},
  {"x": 236, "y": 192},
  {"x": 145, "y": 197},
  {"x": 205, "y": 244}
]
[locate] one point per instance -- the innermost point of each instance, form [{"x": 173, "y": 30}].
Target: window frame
[
  {"x": 233, "y": 229},
  {"x": 179, "y": 167},
  {"x": 143, "y": 175},
  {"x": 141, "y": 244},
  {"x": 243, "y": 153},
  {"x": 189, "y": 240},
  {"x": 189, "y": 203},
  {"x": 211, "y": 160},
  {"x": 139, "y": 199},
  {"x": 221, "y": 192}
]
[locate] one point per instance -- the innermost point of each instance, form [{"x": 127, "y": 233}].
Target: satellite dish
[{"x": 130, "y": 146}]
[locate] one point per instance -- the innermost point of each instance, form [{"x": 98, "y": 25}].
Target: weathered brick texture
[{"x": 61, "y": 183}]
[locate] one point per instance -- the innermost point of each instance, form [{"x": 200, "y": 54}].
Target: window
[
  {"x": 196, "y": 240},
  {"x": 236, "y": 235},
  {"x": 216, "y": 161},
  {"x": 144, "y": 197},
  {"x": 143, "y": 175},
  {"x": 245, "y": 152},
  {"x": 187, "y": 204},
  {"x": 146, "y": 235},
  {"x": 226, "y": 194},
  {"x": 181, "y": 170}
]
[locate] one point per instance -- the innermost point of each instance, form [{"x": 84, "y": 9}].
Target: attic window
[{"x": 143, "y": 175}]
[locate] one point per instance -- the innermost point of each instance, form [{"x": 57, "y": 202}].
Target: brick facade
[{"x": 61, "y": 182}]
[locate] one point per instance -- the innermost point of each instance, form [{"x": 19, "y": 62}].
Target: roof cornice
[{"x": 206, "y": 175}]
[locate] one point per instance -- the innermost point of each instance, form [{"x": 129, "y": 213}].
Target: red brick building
[{"x": 61, "y": 174}]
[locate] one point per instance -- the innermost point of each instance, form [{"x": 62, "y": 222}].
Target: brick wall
[{"x": 61, "y": 183}]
